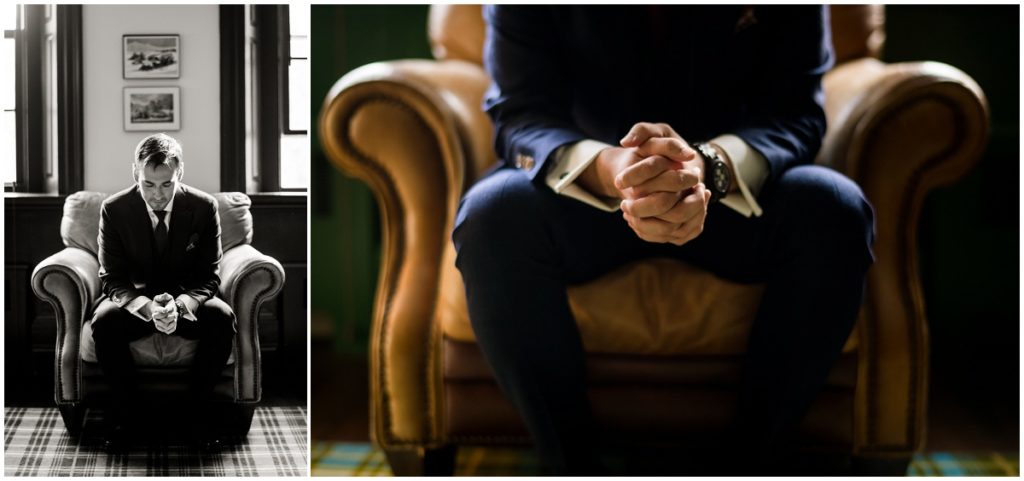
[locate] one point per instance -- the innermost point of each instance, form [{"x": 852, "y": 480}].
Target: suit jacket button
[{"x": 524, "y": 162}]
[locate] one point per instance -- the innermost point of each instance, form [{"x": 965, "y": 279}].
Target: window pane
[
  {"x": 8, "y": 135},
  {"x": 8, "y": 149},
  {"x": 294, "y": 162},
  {"x": 298, "y": 95}
]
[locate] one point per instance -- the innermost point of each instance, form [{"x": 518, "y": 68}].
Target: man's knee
[
  {"x": 108, "y": 322},
  {"x": 829, "y": 208},
  {"x": 216, "y": 316},
  {"x": 500, "y": 209}
]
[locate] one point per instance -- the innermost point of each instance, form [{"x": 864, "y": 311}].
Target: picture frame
[
  {"x": 152, "y": 108},
  {"x": 151, "y": 56}
]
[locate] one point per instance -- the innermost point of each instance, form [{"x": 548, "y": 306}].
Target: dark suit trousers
[
  {"x": 114, "y": 328},
  {"x": 519, "y": 245}
]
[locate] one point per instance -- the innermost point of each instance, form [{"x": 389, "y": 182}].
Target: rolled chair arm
[
  {"x": 898, "y": 130},
  {"x": 69, "y": 281},
  {"x": 248, "y": 278},
  {"x": 412, "y": 130}
]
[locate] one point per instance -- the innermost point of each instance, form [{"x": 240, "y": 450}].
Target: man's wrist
[{"x": 728, "y": 163}]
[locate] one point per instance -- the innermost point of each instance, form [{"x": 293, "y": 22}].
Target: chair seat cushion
[
  {"x": 155, "y": 350},
  {"x": 651, "y": 307}
]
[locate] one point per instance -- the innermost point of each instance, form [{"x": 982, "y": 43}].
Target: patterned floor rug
[
  {"x": 360, "y": 459},
  {"x": 36, "y": 444}
]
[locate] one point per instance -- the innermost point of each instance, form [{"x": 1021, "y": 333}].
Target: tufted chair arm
[
  {"x": 899, "y": 130},
  {"x": 70, "y": 282},
  {"x": 412, "y": 130},
  {"x": 248, "y": 278}
]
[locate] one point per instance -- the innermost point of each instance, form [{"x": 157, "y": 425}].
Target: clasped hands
[
  {"x": 659, "y": 178},
  {"x": 164, "y": 313}
]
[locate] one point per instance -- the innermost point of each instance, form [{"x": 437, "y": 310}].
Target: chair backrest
[
  {"x": 457, "y": 32},
  {"x": 80, "y": 225}
]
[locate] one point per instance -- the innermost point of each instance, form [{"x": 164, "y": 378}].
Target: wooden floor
[{"x": 960, "y": 419}]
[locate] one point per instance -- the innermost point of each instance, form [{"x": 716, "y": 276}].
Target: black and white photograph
[
  {"x": 152, "y": 56},
  {"x": 152, "y": 108},
  {"x": 155, "y": 318}
]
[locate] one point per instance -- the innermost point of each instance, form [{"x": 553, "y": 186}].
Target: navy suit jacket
[
  {"x": 129, "y": 266},
  {"x": 565, "y": 73}
]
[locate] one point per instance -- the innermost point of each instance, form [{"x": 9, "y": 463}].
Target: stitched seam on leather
[
  {"x": 394, "y": 267},
  {"x": 254, "y": 321},
  {"x": 902, "y": 256},
  {"x": 62, "y": 319}
]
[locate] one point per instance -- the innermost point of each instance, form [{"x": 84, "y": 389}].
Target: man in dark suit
[
  {"x": 590, "y": 108},
  {"x": 159, "y": 252}
]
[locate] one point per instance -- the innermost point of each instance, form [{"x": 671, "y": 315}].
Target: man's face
[{"x": 157, "y": 185}]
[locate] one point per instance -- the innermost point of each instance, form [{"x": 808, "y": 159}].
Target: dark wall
[
  {"x": 969, "y": 233},
  {"x": 32, "y": 233}
]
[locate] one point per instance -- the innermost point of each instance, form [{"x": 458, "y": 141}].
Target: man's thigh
[
  {"x": 810, "y": 209},
  {"x": 111, "y": 321},
  {"x": 516, "y": 217},
  {"x": 214, "y": 317}
]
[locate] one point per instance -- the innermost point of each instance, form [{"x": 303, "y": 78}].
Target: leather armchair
[
  {"x": 69, "y": 281},
  {"x": 898, "y": 130}
]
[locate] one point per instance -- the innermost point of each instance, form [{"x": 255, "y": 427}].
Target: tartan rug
[
  {"x": 361, "y": 459},
  {"x": 36, "y": 444}
]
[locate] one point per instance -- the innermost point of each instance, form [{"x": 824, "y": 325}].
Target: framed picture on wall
[
  {"x": 151, "y": 56},
  {"x": 152, "y": 108}
]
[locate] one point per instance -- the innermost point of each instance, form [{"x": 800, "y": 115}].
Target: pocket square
[
  {"x": 746, "y": 20},
  {"x": 192, "y": 242}
]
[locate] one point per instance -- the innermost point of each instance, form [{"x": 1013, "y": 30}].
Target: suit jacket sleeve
[
  {"x": 529, "y": 100},
  {"x": 115, "y": 268},
  {"x": 785, "y": 118},
  {"x": 203, "y": 281}
]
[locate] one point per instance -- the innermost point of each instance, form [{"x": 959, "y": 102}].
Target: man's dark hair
[{"x": 159, "y": 149}]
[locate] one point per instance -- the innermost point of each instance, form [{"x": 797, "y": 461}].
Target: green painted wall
[{"x": 345, "y": 244}]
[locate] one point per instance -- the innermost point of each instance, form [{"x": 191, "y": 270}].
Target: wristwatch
[
  {"x": 717, "y": 176},
  {"x": 180, "y": 306}
]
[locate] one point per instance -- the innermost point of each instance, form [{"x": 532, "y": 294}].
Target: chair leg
[
  {"x": 422, "y": 461},
  {"x": 74, "y": 416},
  {"x": 241, "y": 420},
  {"x": 878, "y": 466}
]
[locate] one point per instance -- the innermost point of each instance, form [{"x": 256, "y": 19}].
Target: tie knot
[{"x": 160, "y": 214}]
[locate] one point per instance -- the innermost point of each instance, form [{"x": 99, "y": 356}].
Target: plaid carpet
[
  {"x": 360, "y": 459},
  {"x": 36, "y": 444}
]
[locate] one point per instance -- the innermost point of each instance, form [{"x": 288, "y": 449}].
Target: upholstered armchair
[
  {"x": 69, "y": 281},
  {"x": 899, "y": 130}
]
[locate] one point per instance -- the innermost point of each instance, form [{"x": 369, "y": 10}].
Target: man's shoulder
[
  {"x": 196, "y": 198},
  {"x": 121, "y": 199}
]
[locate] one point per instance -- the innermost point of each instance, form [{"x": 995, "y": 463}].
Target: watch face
[{"x": 721, "y": 177}]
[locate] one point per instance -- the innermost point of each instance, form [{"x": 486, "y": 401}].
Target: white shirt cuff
[
  {"x": 136, "y": 304},
  {"x": 569, "y": 162},
  {"x": 751, "y": 171}
]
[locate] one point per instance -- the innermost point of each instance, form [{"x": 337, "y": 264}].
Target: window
[
  {"x": 294, "y": 165},
  {"x": 40, "y": 132},
  {"x": 8, "y": 129},
  {"x": 279, "y": 112}
]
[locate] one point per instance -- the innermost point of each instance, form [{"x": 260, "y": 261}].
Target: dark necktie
[{"x": 160, "y": 234}]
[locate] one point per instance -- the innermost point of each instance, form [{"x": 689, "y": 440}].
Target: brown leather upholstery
[{"x": 898, "y": 130}]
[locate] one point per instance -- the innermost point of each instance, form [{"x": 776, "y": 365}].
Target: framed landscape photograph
[
  {"x": 151, "y": 56},
  {"x": 152, "y": 108}
]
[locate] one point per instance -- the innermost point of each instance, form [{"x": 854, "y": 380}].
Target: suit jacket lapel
[
  {"x": 180, "y": 227},
  {"x": 142, "y": 228}
]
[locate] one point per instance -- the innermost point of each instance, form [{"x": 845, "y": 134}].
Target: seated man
[
  {"x": 575, "y": 96},
  {"x": 159, "y": 253}
]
